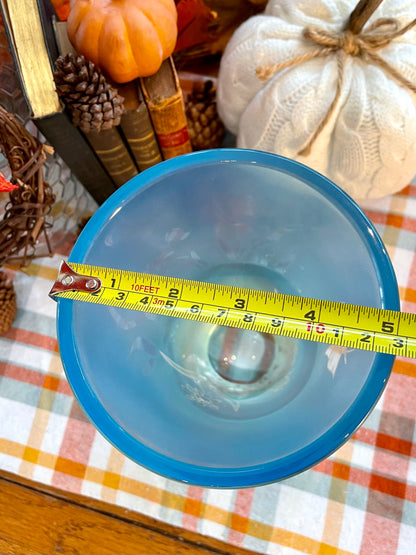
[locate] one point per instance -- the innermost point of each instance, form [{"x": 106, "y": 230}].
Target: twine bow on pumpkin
[{"x": 351, "y": 41}]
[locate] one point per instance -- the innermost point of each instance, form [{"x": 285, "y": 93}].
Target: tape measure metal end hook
[{"x": 69, "y": 280}]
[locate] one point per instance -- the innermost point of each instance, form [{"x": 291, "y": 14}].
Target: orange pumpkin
[{"x": 125, "y": 38}]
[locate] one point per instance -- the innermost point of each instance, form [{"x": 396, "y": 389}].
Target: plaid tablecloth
[{"x": 362, "y": 500}]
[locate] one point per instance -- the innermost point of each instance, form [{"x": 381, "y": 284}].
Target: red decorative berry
[{"x": 6, "y": 186}]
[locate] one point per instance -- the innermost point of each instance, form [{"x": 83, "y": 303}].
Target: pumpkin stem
[{"x": 361, "y": 14}]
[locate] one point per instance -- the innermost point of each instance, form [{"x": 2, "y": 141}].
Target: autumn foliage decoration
[{"x": 61, "y": 8}]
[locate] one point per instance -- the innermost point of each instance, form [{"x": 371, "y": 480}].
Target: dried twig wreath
[{"x": 25, "y": 214}]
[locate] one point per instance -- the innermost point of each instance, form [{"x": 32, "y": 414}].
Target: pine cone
[
  {"x": 8, "y": 306},
  {"x": 94, "y": 104},
  {"x": 205, "y": 128}
]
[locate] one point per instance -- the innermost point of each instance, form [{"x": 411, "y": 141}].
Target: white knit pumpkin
[{"x": 368, "y": 145}]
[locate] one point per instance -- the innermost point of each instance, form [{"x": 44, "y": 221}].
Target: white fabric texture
[{"x": 368, "y": 147}]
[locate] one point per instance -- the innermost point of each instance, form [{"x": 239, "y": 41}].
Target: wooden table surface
[{"x": 41, "y": 520}]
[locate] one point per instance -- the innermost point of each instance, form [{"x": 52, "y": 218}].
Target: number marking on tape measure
[{"x": 346, "y": 325}]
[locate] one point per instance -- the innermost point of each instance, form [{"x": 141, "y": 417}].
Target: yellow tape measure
[{"x": 350, "y": 326}]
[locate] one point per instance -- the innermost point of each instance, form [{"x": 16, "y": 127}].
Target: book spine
[
  {"x": 171, "y": 129},
  {"x": 71, "y": 145},
  {"x": 113, "y": 153},
  {"x": 137, "y": 128},
  {"x": 168, "y": 114}
]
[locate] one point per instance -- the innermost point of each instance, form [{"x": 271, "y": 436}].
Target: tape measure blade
[
  {"x": 407, "y": 325},
  {"x": 323, "y": 321}
]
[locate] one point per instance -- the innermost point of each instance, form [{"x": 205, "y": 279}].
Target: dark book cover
[{"x": 54, "y": 122}]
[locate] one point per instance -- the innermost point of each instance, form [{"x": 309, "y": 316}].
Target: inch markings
[{"x": 322, "y": 321}]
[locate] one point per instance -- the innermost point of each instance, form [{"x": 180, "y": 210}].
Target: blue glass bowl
[{"x": 195, "y": 402}]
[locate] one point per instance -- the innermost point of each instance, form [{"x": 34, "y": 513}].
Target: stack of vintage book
[{"x": 153, "y": 124}]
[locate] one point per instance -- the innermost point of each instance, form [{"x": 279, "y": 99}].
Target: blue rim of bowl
[{"x": 272, "y": 471}]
